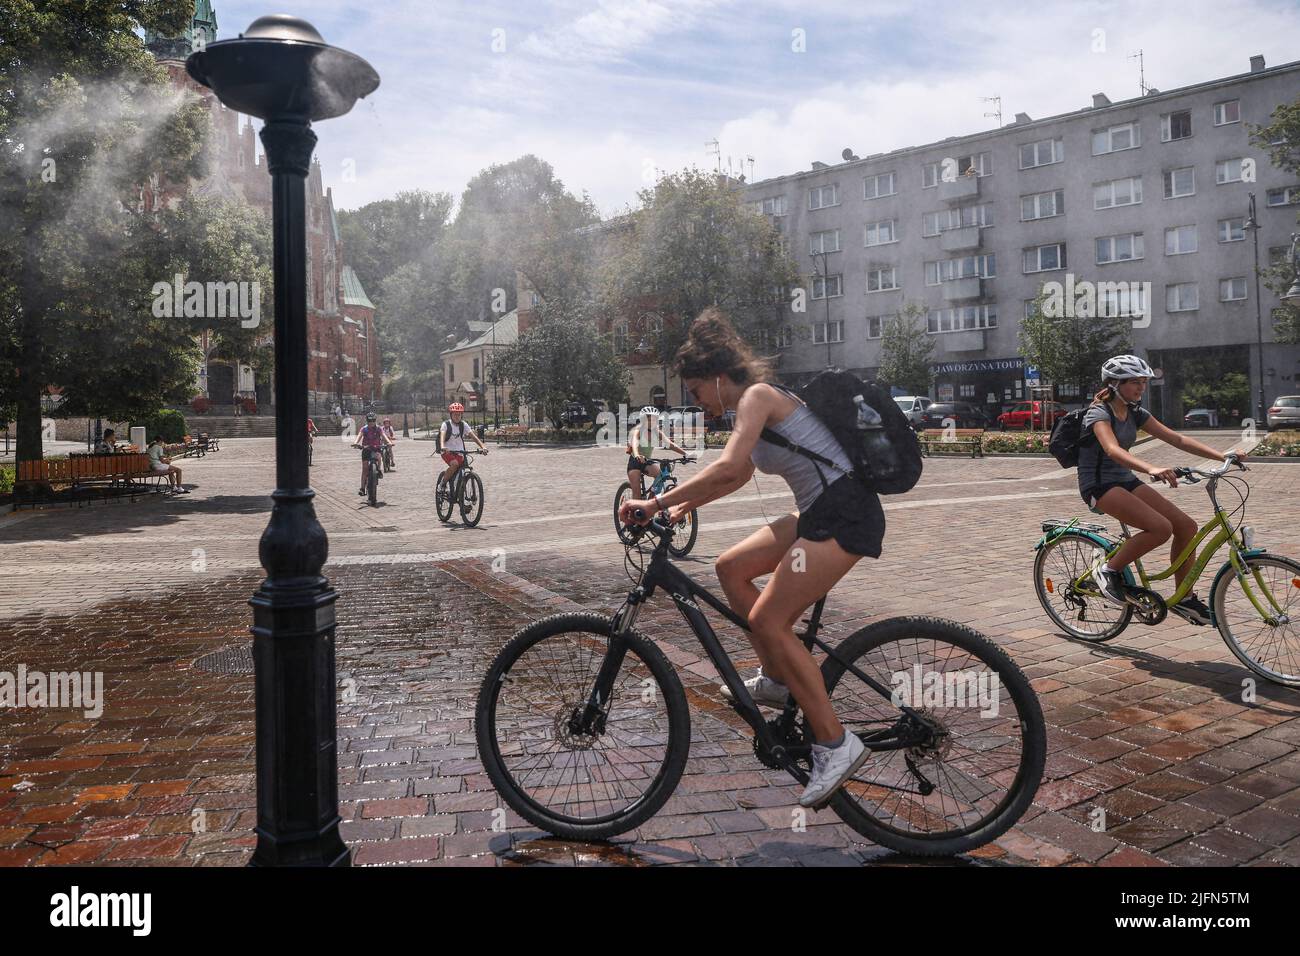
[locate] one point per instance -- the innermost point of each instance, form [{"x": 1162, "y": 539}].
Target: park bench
[
  {"x": 127, "y": 472},
  {"x": 511, "y": 434},
  {"x": 946, "y": 440}
]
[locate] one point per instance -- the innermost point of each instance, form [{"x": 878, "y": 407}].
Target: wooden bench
[
  {"x": 511, "y": 434},
  {"x": 129, "y": 471},
  {"x": 207, "y": 443},
  {"x": 945, "y": 440}
]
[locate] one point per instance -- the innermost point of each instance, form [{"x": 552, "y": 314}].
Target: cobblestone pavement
[{"x": 1150, "y": 728}]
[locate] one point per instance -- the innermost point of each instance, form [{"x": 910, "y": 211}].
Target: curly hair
[{"x": 714, "y": 347}]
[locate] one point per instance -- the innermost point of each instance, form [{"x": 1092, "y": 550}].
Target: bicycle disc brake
[{"x": 1148, "y": 606}]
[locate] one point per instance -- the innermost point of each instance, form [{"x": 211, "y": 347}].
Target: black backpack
[
  {"x": 869, "y": 426},
  {"x": 437, "y": 442},
  {"x": 1067, "y": 437}
]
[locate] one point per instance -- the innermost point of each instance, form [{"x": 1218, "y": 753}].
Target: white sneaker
[
  {"x": 765, "y": 691},
  {"x": 832, "y": 766}
]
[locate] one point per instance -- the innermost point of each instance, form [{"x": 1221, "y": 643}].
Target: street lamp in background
[
  {"x": 281, "y": 71},
  {"x": 1253, "y": 225}
]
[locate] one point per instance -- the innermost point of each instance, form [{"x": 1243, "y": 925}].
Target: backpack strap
[
  {"x": 776, "y": 438},
  {"x": 1100, "y": 452}
]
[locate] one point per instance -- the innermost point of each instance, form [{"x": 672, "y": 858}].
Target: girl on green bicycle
[
  {"x": 806, "y": 552},
  {"x": 1107, "y": 484}
]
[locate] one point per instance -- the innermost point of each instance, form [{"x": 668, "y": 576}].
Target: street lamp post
[
  {"x": 1253, "y": 225},
  {"x": 281, "y": 71}
]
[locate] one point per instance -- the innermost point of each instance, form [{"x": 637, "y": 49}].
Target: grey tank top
[{"x": 804, "y": 429}]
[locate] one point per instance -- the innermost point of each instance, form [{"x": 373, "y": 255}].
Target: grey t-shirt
[{"x": 1126, "y": 431}]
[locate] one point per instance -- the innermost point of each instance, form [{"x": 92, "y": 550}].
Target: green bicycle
[{"x": 1254, "y": 600}]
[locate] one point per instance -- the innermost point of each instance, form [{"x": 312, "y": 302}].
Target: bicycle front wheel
[
  {"x": 1079, "y": 610},
  {"x": 684, "y": 535},
  {"x": 572, "y": 783},
  {"x": 471, "y": 499},
  {"x": 980, "y": 757},
  {"x": 372, "y": 486},
  {"x": 1268, "y": 646},
  {"x": 623, "y": 494}
]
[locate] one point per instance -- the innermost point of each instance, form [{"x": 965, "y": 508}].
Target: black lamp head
[{"x": 281, "y": 68}]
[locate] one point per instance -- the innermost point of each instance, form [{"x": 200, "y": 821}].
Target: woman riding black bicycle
[
  {"x": 807, "y": 552},
  {"x": 1107, "y": 484}
]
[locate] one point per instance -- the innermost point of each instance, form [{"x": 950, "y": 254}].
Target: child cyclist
[
  {"x": 371, "y": 440},
  {"x": 1107, "y": 484},
  {"x": 392, "y": 440},
  {"x": 645, "y": 436},
  {"x": 451, "y": 438}
]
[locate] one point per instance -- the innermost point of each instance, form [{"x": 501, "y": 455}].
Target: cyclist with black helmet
[
  {"x": 371, "y": 440},
  {"x": 1107, "y": 483}
]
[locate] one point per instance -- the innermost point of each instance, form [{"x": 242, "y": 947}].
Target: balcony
[
  {"x": 958, "y": 240},
  {"x": 956, "y": 290},
  {"x": 963, "y": 187}
]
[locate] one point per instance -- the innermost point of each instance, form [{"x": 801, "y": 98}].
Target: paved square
[{"x": 1151, "y": 728}]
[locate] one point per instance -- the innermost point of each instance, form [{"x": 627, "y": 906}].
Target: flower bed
[
  {"x": 1015, "y": 443},
  {"x": 1284, "y": 444}
]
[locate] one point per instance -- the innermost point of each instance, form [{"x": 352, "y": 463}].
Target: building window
[
  {"x": 879, "y": 233},
  {"x": 821, "y": 329},
  {"x": 967, "y": 267},
  {"x": 1113, "y": 139},
  {"x": 1232, "y": 230},
  {"x": 1067, "y": 391},
  {"x": 620, "y": 338},
  {"x": 874, "y": 326},
  {"x": 962, "y": 319},
  {"x": 1180, "y": 182},
  {"x": 1127, "y": 300},
  {"x": 475, "y": 375},
  {"x": 1232, "y": 290},
  {"x": 1043, "y": 153},
  {"x": 1181, "y": 297},
  {"x": 873, "y": 187},
  {"x": 977, "y": 164},
  {"x": 933, "y": 223},
  {"x": 1044, "y": 258},
  {"x": 785, "y": 337},
  {"x": 1180, "y": 240},
  {"x": 772, "y": 206},
  {"x": 1119, "y": 248},
  {"x": 1229, "y": 111},
  {"x": 1175, "y": 126},
  {"x": 1042, "y": 205},
  {"x": 966, "y": 391},
  {"x": 1286, "y": 196},
  {"x": 1228, "y": 171},
  {"x": 819, "y": 197},
  {"x": 827, "y": 287},
  {"x": 1117, "y": 192},
  {"x": 881, "y": 280},
  {"x": 820, "y": 242}
]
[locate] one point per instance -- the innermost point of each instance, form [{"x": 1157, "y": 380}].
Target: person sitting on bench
[{"x": 160, "y": 464}]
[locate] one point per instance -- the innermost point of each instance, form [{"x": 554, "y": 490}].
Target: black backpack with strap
[
  {"x": 870, "y": 427},
  {"x": 460, "y": 435},
  {"x": 1068, "y": 437}
]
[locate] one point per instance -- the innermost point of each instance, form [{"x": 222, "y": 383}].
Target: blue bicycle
[{"x": 684, "y": 532}]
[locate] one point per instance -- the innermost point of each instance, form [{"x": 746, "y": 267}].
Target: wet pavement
[{"x": 1150, "y": 728}]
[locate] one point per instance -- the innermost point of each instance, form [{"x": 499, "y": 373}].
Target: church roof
[{"x": 353, "y": 292}]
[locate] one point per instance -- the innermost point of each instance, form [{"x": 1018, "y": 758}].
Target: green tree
[
  {"x": 86, "y": 115},
  {"x": 692, "y": 243},
  {"x": 1281, "y": 140},
  {"x": 559, "y": 361},
  {"x": 905, "y": 351},
  {"x": 1069, "y": 349}
]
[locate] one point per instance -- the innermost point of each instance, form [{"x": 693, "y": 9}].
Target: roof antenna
[
  {"x": 713, "y": 149},
  {"x": 1142, "y": 76},
  {"x": 997, "y": 109}
]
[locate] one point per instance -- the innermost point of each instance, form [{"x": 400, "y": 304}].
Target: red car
[{"x": 1040, "y": 416}]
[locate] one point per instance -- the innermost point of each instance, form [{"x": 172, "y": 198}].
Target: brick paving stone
[{"x": 1149, "y": 728}]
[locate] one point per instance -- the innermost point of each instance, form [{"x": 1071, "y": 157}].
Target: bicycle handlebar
[{"x": 1194, "y": 475}]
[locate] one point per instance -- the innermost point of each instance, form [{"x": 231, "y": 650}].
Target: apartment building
[{"x": 1148, "y": 196}]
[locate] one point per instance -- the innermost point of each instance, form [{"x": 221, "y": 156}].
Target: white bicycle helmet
[
  {"x": 650, "y": 410},
  {"x": 1124, "y": 367}
]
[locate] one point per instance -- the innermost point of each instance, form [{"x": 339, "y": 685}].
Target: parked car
[
  {"x": 913, "y": 406},
  {"x": 1284, "y": 412},
  {"x": 1037, "y": 414},
  {"x": 964, "y": 414},
  {"x": 575, "y": 415},
  {"x": 1201, "y": 418}
]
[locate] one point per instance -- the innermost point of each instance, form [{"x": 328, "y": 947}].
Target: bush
[
  {"x": 1283, "y": 444},
  {"x": 1017, "y": 443},
  {"x": 6, "y": 479},
  {"x": 201, "y": 404},
  {"x": 167, "y": 422}
]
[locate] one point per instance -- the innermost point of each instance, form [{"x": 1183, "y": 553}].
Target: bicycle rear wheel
[
  {"x": 984, "y": 752},
  {"x": 1079, "y": 611},
  {"x": 471, "y": 499},
  {"x": 1270, "y": 650},
  {"x": 573, "y": 784}
]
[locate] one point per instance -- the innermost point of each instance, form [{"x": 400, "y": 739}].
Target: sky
[{"x": 613, "y": 93}]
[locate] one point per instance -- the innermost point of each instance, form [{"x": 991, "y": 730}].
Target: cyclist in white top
[{"x": 452, "y": 440}]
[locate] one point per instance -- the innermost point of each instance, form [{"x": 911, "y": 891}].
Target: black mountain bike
[
  {"x": 373, "y": 473},
  {"x": 584, "y": 729},
  {"x": 389, "y": 464},
  {"x": 687, "y": 530},
  {"x": 467, "y": 492}
]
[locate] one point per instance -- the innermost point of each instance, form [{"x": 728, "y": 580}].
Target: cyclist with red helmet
[{"x": 451, "y": 438}]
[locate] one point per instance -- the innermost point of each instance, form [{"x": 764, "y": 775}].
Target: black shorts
[
  {"x": 848, "y": 513},
  {"x": 641, "y": 466},
  {"x": 1093, "y": 495}
]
